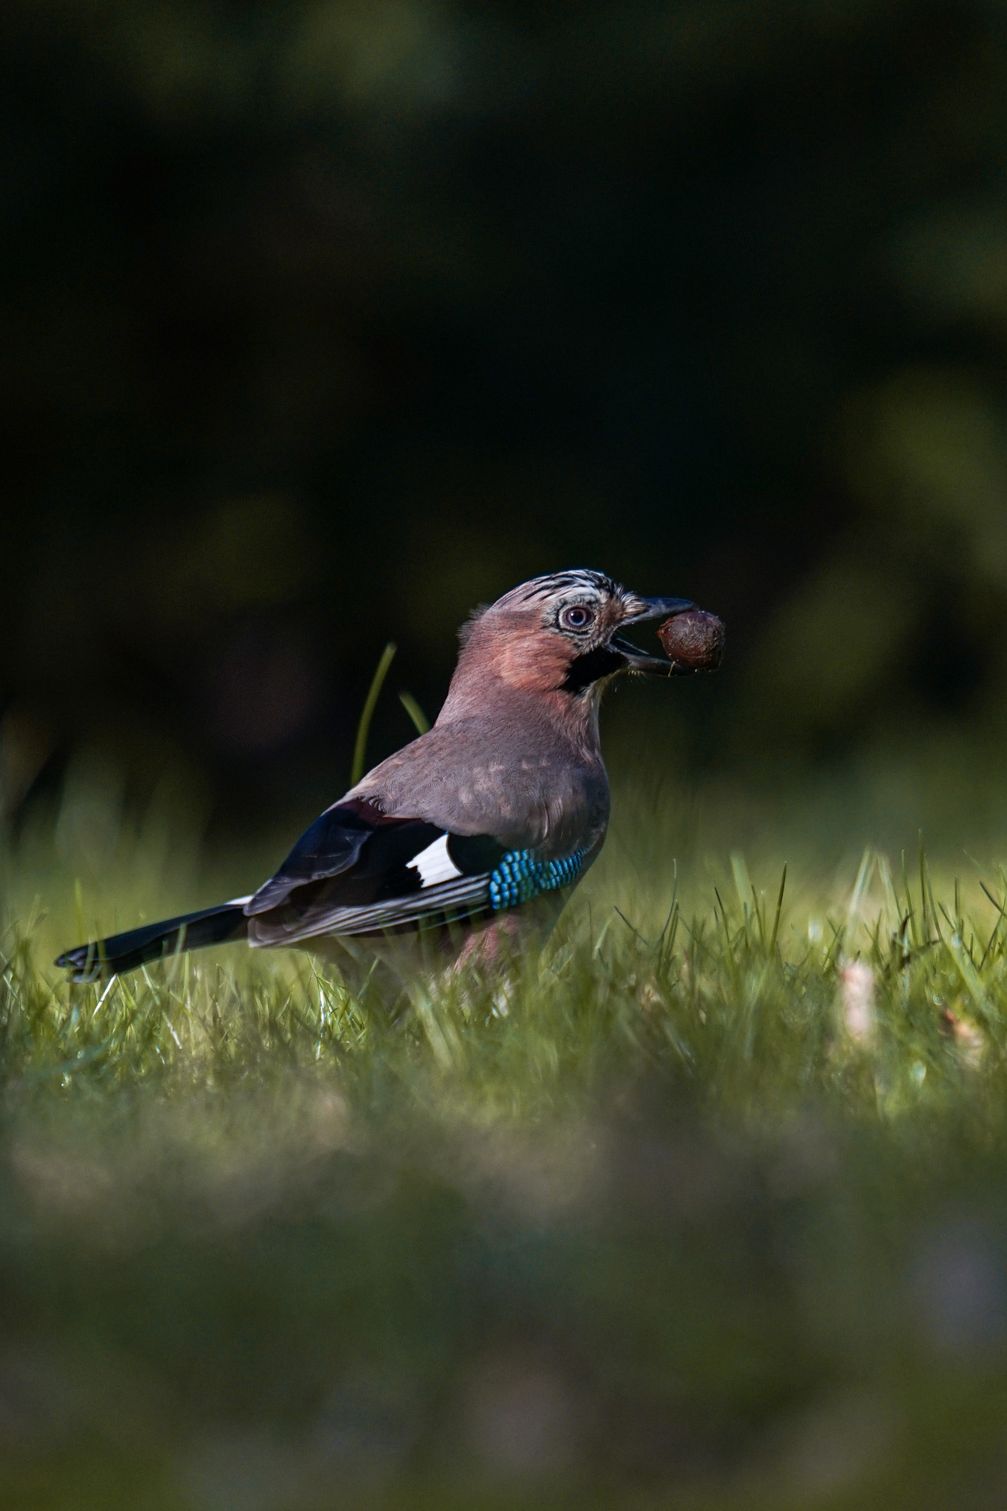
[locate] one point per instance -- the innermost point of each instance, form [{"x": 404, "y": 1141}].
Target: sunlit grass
[
  {"x": 716, "y": 1206},
  {"x": 696, "y": 972}
]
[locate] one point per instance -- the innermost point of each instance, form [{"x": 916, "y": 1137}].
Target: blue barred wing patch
[{"x": 521, "y": 877}]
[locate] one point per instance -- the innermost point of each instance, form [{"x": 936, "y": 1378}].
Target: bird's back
[{"x": 508, "y": 773}]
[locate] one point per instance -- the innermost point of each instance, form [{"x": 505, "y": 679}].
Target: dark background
[{"x": 324, "y": 322}]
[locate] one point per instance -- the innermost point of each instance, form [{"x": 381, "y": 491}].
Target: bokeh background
[{"x": 326, "y": 321}]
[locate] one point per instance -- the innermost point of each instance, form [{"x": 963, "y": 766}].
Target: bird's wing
[
  {"x": 358, "y": 871},
  {"x": 342, "y": 842}
]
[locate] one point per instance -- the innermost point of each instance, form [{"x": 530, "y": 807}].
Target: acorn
[{"x": 693, "y": 640}]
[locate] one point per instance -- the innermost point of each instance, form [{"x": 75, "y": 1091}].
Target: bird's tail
[{"x": 124, "y": 952}]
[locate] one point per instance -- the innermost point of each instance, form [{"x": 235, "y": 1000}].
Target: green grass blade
[
  {"x": 415, "y": 712},
  {"x": 367, "y": 713}
]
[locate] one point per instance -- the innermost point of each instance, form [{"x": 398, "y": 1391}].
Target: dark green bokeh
[{"x": 324, "y": 322}]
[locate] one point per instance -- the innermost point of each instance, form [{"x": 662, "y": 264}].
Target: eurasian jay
[{"x": 478, "y": 827}]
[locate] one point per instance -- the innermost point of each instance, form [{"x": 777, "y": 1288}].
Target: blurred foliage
[{"x": 324, "y": 321}]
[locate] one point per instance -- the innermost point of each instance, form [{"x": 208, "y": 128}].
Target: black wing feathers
[
  {"x": 330, "y": 846},
  {"x": 341, "y": 843},
  {"x": 353, "y": 871}
]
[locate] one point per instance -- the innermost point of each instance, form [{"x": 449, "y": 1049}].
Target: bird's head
[{"x": 561, "y": 634}]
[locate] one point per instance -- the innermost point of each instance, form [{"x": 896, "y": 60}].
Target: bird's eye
[{"x": 576, "y": 617}]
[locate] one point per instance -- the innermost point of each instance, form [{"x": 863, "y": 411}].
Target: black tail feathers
[{"x": 124, "y": 952}]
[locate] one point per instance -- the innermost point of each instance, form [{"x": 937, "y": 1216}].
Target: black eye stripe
[{"x": 585, "y": 670}]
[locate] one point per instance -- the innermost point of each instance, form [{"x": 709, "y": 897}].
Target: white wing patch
[{"x": 435, "y": 864}]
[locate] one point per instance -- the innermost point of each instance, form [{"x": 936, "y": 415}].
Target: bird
[{"x": 472, "y": 836}]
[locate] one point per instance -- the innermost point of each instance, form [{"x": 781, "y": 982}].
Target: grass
[{"x": 715, "y": 1215}]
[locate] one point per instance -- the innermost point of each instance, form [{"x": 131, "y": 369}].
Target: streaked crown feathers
[{"x": 577, "y": 584}]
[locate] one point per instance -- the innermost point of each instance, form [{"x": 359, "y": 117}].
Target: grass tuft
[{"x": 709, "y": 1209}]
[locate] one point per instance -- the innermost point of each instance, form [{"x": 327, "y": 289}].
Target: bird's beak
[{"x": 637, "y": 611}]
